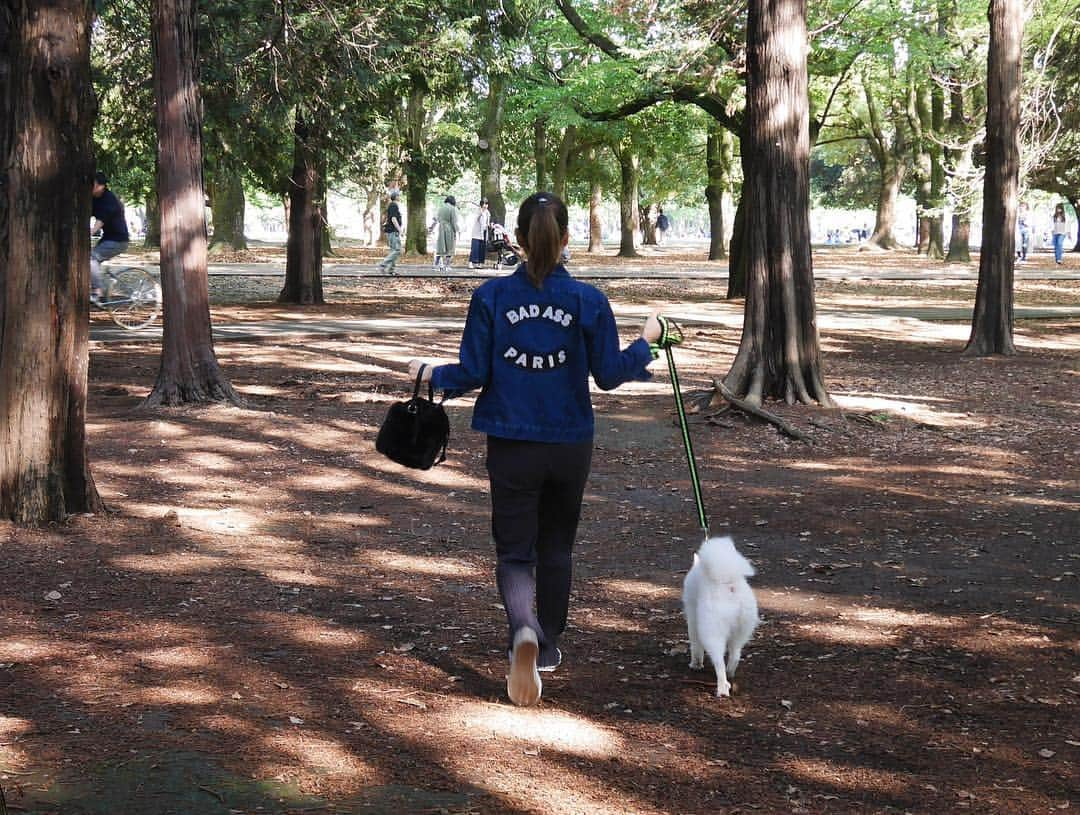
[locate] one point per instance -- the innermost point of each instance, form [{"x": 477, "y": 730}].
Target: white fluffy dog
[{"x": 721, "y": 612}]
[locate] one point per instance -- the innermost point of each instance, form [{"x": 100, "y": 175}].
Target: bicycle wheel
[{"x": 133, "y": 298}]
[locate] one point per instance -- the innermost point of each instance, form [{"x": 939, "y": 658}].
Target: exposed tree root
[{"x": 754, "y": 410}]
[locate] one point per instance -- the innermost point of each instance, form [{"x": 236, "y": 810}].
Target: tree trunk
[
  {"x": 152, "y": 239},
  {"x": 936, "y": 215},
  {"x": 889, "y": 156},
  {"x": 227, "y": 209},
  {"x": 491, "y": 156},
  {"x": 779, "y": 355},
  {"x": 992, "y": 323},
  {"x": 628, "y": 201},
  {"x": 303, "y": 255},
  {"x": 959, "y": 240},
  {"x": 718, "y": 164},
  {"x": 417, "y": 170},
  {"x": 738, "y": 260},
  {"x": 596, "y": 224},
  {"x": 189, "y": 368},
  {"x": 647, "y": 220},
  {"x": 1074, "y": 202},
  {"x": 540, "y": 152},
  {"x": 562, "y": 163},
  {"x": 46, "y": 163}
]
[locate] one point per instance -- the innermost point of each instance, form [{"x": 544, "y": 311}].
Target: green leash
[{"x": 670, "y": 336}]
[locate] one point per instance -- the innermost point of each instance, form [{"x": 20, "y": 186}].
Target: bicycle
[{"x": 132, "y": 297}]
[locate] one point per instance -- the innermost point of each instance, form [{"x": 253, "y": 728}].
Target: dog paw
[
  {"x": 724, "y": 691},
  {"x": 697, "y": 665}
]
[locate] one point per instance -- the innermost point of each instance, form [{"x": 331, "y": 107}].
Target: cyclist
[{"x": 110, "y": 222}]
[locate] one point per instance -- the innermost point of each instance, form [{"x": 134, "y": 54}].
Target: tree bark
[
  {"x": 540, "y": 152},
  {"x": 46, "y": 164},
  {"x": 491, "y": 156},
  {"x": 562, "y": 163},
  {"x": 1074, "y": 202},
  {"x": 417, "y": 169},
  {"x": 596, "y": 200},
  {"x": 718, "y": 157},
  {"x": 889, "y": 154},
  {"x": 992, "y": 323},
  {"x": 779, "y": 355},
  {"x": 738, "y": 259},
  {"x": 304, "y": 252},
  {"x": 227, "y": 209},
  {"x": 647, "y": 220},
  {"x": 152, "y": 239},
  {"x": 628, "y": 200},
  {"x": 189, "y": 368},
  {"x": 959, "y": 240}
]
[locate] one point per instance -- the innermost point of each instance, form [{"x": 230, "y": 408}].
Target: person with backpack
[{"x": 531, "y": 340}]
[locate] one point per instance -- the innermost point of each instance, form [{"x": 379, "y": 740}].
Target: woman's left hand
[{"x": 414, "y": 369}]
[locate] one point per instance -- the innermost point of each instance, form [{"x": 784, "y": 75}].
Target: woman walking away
[
  {"x": 1060, "y": 230},
  {"x": 447, "y": 220},
  {"x": 478, "y": 250},
  {"x": 531, "y": 340}
]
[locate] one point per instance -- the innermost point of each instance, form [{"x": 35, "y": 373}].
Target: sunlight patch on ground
[
  {"x": 323, "y": 756},
  {"x": 640, "y": 588},
  {"x": 843, "y": 777},
  {"x": 181, "y": 693},
  {"x": 847, "y": 616},
  {"x": 429, "y": 564},
  {"x": 301, "y": 577},
  {"x": 308, "y": 631},
  {"x": 916, "y": 411},
  {"x": 24, "y": 650},
  {"x": 601, "y": 621},
  {"x": 179, "y": 656},
  {"x": 171, "y": 563},
  {"x": 543, "y": 729}
]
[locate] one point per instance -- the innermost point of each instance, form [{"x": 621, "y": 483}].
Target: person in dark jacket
[
  {"x": 530, "y": 343},
  {"x": 109, "y": 220}
]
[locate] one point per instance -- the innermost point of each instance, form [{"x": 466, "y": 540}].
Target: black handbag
[{"x": 414, "y": 433}]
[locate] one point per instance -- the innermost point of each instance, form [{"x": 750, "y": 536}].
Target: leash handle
[{"x": 671, "y": 334}]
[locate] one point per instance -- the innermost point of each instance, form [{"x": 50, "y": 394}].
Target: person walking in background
[
  {"x": 531, "y": 340},
  {"x": 478, "y": 250},
  {"x": 392, "y": 229},
  {"x": 1059, "y": 232},
  {"x": 663, "y": 223},
  {"x": 1023, "y": 227},
  {"x": 446, "y": 219},
  {"x": 109, "y": 220}
]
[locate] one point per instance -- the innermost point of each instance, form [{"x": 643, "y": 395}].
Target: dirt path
[{"x": 274, "y": 619}]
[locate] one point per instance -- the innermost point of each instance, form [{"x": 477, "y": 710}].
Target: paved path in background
[
  {"x": 832, "y": 269},
  {"x": 627, "y": 317}
]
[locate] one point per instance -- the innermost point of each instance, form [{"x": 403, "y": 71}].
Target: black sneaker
[{"x": 547, "y": 665}]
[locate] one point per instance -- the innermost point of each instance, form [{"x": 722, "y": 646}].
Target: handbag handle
[{"x": 419, "y": 382}]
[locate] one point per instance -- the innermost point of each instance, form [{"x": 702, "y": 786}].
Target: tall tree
[
  {"x": 46, "y": 106},
  {"x": 779, "y": 355},
  {"x": 304, "y": 253},
  {"x": 992, "y": 323},
  {"x": 189, "y": 367}
]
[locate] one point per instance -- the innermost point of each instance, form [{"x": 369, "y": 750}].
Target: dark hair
[
  {"x": 542, "y": 224},
  {"x": 101, "y": 178},
  {"x": 451, "y": 200}
]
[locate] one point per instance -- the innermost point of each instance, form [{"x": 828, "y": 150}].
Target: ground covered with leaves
[{"x": 273, "y": 618}]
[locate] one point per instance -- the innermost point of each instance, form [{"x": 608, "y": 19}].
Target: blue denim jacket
[{"x": 531, "y": 352}]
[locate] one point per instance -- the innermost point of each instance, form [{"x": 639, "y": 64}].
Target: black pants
[{"x": 536, "y": 491}]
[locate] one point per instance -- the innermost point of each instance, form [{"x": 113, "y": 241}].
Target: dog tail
[{"x": 722, "y": 561}]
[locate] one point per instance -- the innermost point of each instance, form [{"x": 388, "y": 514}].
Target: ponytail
[{"x": 542, "y": 224}]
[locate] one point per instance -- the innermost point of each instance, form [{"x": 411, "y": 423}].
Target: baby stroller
[{"x": 500, "y": 249}]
